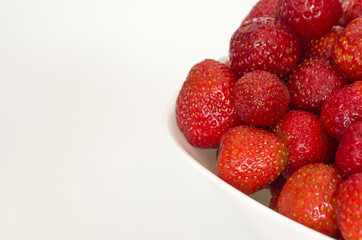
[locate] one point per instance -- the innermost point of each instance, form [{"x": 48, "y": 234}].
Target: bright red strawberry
[
  {"x": 322, "y": 47},
  {"x": 260, "y": 98},
  {"x": 312, "y": 82},
  {"x": 349, "y": 153},
  {"x": 347, "y": 50},
  {"x": 263, "y": 8},
  {"x": 308, "y": 197},
  {"x": 305, "y": 138},
  {"x": 352, "y": 9},
  {"x": 310, "y": 18},
  {"x": 264, "y": 44},
  {"x": 204, "y": 107},
  {"x": 250, "y": 158},
  {"x": 342, "y": 108},
  {"x": 349, "y": 207}
]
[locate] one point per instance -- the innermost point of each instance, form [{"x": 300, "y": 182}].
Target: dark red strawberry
[
  {"x": 277, "y": 185},
  {"x": 341, "y": 109},
  {"x": 349, "y": 153},
  {"x": 308, "y": 197},
  {"x": 273, "y": 202},
  {"x": 347, "y": 50},
  {"x": 275, "y": 188},
  {"x": 204, "y": 107},
  {"x": 250, "y": 158},
  {"x": 260, "y": 98},
  {"x": 263, "y": 8},
  {"x": 352, "y": 9},
  {"x": 305, "y": 138},
  {"x": 312, "y": 82},
  {"x": 310, "y": 18},
  {"x": 349, "y": 207},
  {"x": 264, "y": 44},
  {"x": 322, "y": 47}
]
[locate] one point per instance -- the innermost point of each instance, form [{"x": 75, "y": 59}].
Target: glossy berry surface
[
  {"x": 347, "y": 50},
  {"x": 310, "y": 18},
  {"x": 341, "y": 109},
  {"x": 204, "y": 106},
  {"x": 305, "y": 137},
  {"x": 308, "y": 197},
  {"x": 349, "y": 207},
  {"x": 322, "y": 47},
  {"x": 312, "y": 82},
  {"x": 260, "y": 98},
  {"x": 264, "y": 44},
  {"x": 349, "y": 153},
  {"x": 250, "y": 158}
]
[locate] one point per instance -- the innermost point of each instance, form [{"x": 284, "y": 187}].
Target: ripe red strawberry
[
  {"x": 263, "y": 8},
  {"x": 310, "y": 18},
  {"x": 341, "y": 109},
  {"x": 250, "y": 158},
  {"x": 312, "y": 82},
  {"x": 308, "y": 197},
  {"x": 305, "y": 138},
  {"x": 352, "y": 9},
  {"x": 322, "y": 47},
  {"x": 204, "y": 107},
  {"x": 260, "y": 98},
  {"x": 264, "y": 44},
  {"x": 347, "y": 50},
  {"x": 349, "y": 207},
  {"x": 349, "y": 153}
]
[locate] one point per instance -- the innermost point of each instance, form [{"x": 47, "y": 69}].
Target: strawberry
[
  {"x": 322, "y": 47},
  {"x": 308, "y": 197},
  {"x": 310, "y": 18},
  {"x": 341, "y": 109},
  {"x": 277, "y": 185},
  {"x": 312, "y": 82},
  {"x": 250, "y": 158},
  {"x": 347, "y": 50},
  {"x": 204, "y": 106},
  {"x": 352, "y": 9},
  {"x": 260, "y": 98},
  {"x": 349, "y": 207},
  {"x": 349, "y": 153},
  {"x": 264, "y": 44},
  {"x": 273, "y": 202},
  {"x": 263, "y": 8},
  {"x": 305, "y": 137},
  {"x": 275, "y": 189}
]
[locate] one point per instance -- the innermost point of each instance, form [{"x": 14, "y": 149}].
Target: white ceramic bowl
[{"x": 264, "y": 222}]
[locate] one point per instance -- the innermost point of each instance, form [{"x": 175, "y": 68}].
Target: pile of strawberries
[{"x": 285, "y": 111}]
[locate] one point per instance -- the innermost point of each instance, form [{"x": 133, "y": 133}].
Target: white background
[{"x": 83, "y": 90}]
